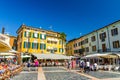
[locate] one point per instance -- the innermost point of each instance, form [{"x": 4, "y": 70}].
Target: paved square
[
  {"x": 57, "y": 73},
  {"x": 103, "y": 75},
  {"x": 26, "y": 76}
]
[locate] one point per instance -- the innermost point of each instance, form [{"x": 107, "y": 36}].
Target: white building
[{"x": 106, "y": 39}]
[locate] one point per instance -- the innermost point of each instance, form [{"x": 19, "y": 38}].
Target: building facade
[
  {"x": 4, "y": 43},
  {"x": 36, "y": 40},
  {"x": 106, "y": 39},
  {"x": 13, "y": 42},
  {"x": 70, "y": 48}
]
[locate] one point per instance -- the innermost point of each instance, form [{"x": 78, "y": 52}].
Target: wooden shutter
[
  {"x": 33, "y": 35},
  {"x": 40, "y": 36},
  {"x": 44, "y": 46},
  {"x": 28, "y": 44},
  {"x": 37, "y": 45},
  {"x": 40, "y": 46},
  {"x": 24, "y": 44},
  {"x": 25, "y": 34},
  {"x": 29, "y": 35},
  {"x": 32, "y": 45},
  {"x": 62, "y": 50}
]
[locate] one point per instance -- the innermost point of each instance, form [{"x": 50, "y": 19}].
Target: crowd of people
[
  {"x": 8, "y": 68},
  {"x": 83, "y": 65}
]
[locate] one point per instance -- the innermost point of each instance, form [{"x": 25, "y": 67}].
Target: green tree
[{"x": 63, "y": 38}]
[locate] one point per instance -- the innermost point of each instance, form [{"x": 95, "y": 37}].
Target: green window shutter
[
  {"x": 29, "y": 34},
  {"x": 28, "y": 44},
  {"x": 33, "y": 35},
  {"x": 32, "y": 45},
  {"x": 40, "y": 46},
  {"x": 62, "y": 50},
  {"x": 44, "y": 36},
  {"x": 40, "y": 36},
  {"x": 25, "y": 34},
  {"x": 59, "y": 49},
  {"x": 37, "y": 45},
  {"x": 44, "y": 46},
  {"x": 24, "y": 45}
]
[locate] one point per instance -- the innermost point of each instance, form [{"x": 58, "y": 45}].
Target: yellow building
[
  {"x": 13, "y": 41},
  {"x": 70, "y": 48},
  {"x": 37, "y": 40}
]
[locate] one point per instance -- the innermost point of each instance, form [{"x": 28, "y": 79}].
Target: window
[
  {"x": 102, "y": 35},
  {"x": 55, "y": 42},
  {"x": 93, "y": 38},
  {"x": 116, "y": 44},
  {"x": 42, "y": 36},
  {"x": 34, "y": 45},
  {"x": 61, "y": 50},
  {"x": 79, "y": 43},
  {"x": 55, "y": 49},
  {"x": 86, "y": 40},
  {"x": 27, "y": 34},
  {"x": 93, "y": 48},
  {"x": 48, "y": 41},
  {"x": 82, "y": 42},
  {"x": 74, "y": 45},
  {"x": 87, "y": 49},
  {"x": 42, "y": 46},
  {"x": 35, "y": 35},
  {"x": 26, "y": 44},
  {"x": 60, "y": 42},
  {"x": 114, "y": 32}
]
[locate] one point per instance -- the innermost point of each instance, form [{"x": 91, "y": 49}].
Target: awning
[
  {"x": 51, "y": 56},
  {"x": 25, "y": 56},
  {"x": 102, "y": 55},
  {"x": 7, "y": 54},
  {"x": 13, "y": 51},
  {"x": 4, "y": 47},
  {"x": 4, "y": 43},
  {"x": 94, "y": 55}
]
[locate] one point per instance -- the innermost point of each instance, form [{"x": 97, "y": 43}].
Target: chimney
[{"x": 3, "y": 30}]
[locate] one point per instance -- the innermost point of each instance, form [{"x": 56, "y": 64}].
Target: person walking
[
  {"x": 95, "y": 66},
  {"x": 28, "y": 64},
  {"x": 82, "y": 64},
  {"x": 36, "y": 62},
  {"x": 87, "y": 66},
  {"x": 68, "y": 66}
]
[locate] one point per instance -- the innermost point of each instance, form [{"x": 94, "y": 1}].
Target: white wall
[{"x": 116, "y": 37}]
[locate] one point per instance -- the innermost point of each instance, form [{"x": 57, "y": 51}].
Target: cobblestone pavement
[
  {"x": 26, "y": 76},
  {"x": 103, "y": 75},
  {"x": 59, "y": 75},
  {"x": 53, "y": 69}
]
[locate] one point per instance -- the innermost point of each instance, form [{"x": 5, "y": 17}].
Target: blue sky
[{"x": 70, "y": 16}]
